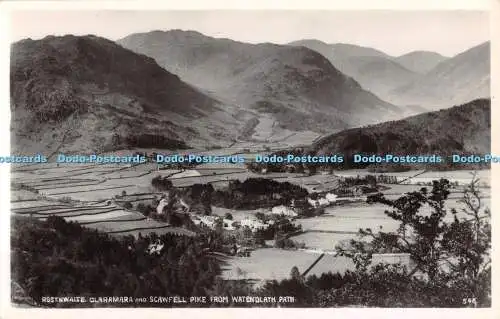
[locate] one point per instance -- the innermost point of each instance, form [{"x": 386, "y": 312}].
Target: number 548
[{"x": 469, "y": 301}]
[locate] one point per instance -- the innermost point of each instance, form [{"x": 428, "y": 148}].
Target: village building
[
  {"x": 323, "y": 201},
  {"x": 253, "y": 224},
  {"x": 161, "y": 205},
  {"x": 284, "y": 211},
  {"x": 155, "y": 248},
  {"x": 331, "y": 197},
  {"x": 185, "y": 206},
  {"x": 209, "y": 221}
]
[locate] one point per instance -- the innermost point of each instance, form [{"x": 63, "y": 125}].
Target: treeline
[
  {"x": 57, "y": 258},
  {"x": 161, "y": 183},
  {"x": 256, "y": 193},
  {"x": 451, "y": 259},
  {"x": 146, "y": 140}
]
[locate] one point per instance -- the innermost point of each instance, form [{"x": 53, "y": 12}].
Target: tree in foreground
[{"x": 450, "y": 249}]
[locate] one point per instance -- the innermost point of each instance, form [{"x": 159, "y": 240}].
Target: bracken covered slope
[
  {"x": 87, "y": 94},
  {"x": 464, "y": 129}
]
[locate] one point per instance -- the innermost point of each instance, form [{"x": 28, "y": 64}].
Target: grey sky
[{"x": 394, "y": 32}]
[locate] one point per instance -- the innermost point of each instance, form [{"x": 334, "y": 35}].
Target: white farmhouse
[
  {"x": 253, "y": 224},
  {"x": 159, "y": 209},
  {"x": 209, "y": 221},
  {"x": 283, "y": 210},
  {"x": 196, "y": 220},
  {"x": 332, "y": 198},
  {"x": 155, "y": 248},
  {"x": 313, "y": 202},
  {"x": 322, "y": 201}
]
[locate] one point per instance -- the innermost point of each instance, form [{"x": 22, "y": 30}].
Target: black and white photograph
[{"x": 250, "y": 159}]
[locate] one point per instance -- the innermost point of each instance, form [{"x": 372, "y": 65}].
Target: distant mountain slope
[
  {"x": 297, "y": 86},
  {"x": 89, "y": 94},
  {"x": 465, "y": 129},
  {"x": 456, "y": 80},
  {"x": 340, "y": 51},
  {"x": 420, "y": 61},
  {"x": 375, "y": 70}
]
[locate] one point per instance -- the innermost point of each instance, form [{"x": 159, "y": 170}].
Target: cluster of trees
[
  {"x": 287, "y": 243},
  {"x": 57, "y": 258},
  {"x": 199, "y": 196},
  {"x": 452, "y": 256},
  {"x": 365, "y": 184},
  {"x": 256, "y": 193},
  {"x": 161, "y": 183},
  {"x": 355, "y": 181},
  {"x": 278, "y": 228},
  {"x": 452, "y": 260},
  {"x": 16, "y": 186},
  {"x": 146, "y": 140},
  {"x": 300, "y": 168}
]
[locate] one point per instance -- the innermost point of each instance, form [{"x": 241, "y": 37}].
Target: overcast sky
[{"x": 394, "y": 32}]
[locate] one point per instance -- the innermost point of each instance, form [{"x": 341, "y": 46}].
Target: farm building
[
  {"x": 161, "y": 205},
  {"x": 209, "y": 221},
  {"x": 323, "y": 201},
  {"x": 331, "y": 197},
  {"x": 283, "y": 210},
  {"x": 253, "y": 224},
  {"x": 155, "y": 248}
]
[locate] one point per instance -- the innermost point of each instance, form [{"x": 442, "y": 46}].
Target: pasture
[
  {"x": 91, "y": 194},
  {"x": 278, "y": 264}
]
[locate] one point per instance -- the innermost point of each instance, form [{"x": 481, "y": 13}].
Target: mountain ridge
[
  {"x": 376, "y": 71},
  {"x": 297, "y": 86},
  {"x": 462, "y": 128},
  {"x": 456, "y": 80},
  {"x": 420, "y": 61},
  {"x": 62, "y": 87}
]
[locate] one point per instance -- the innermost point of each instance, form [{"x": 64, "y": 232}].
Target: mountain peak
[
  {"x": 297, "y": 86},
  {"x": 420, "y": 61},
  {"x": 59, "y": 78},
  {"x": 461, "y": 78}
]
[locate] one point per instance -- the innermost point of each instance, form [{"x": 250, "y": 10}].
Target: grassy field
[
  {"x": 320, "y": 240},
  {"x": 100, "y": 217},
  {"x": 349, "y": 222},
  {"x": 278, "y": 264},
  {"x": 238, "y": 215},
  {"x": 94, "y": 185},
  {"x": 73, "y": 182}
]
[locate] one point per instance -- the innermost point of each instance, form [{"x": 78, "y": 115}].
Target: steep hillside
[
  {"x": 376, "y": 71},
  {"x": 465, "y": 129},
  {"x": 89, "y": 94},
  {"x": 420, "y": 61},
  {"x": 456, "y": 80},
  {"x": 297, "y": 86}
]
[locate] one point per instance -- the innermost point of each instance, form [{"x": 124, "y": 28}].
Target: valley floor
[{"x": 90, "y": 195}]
